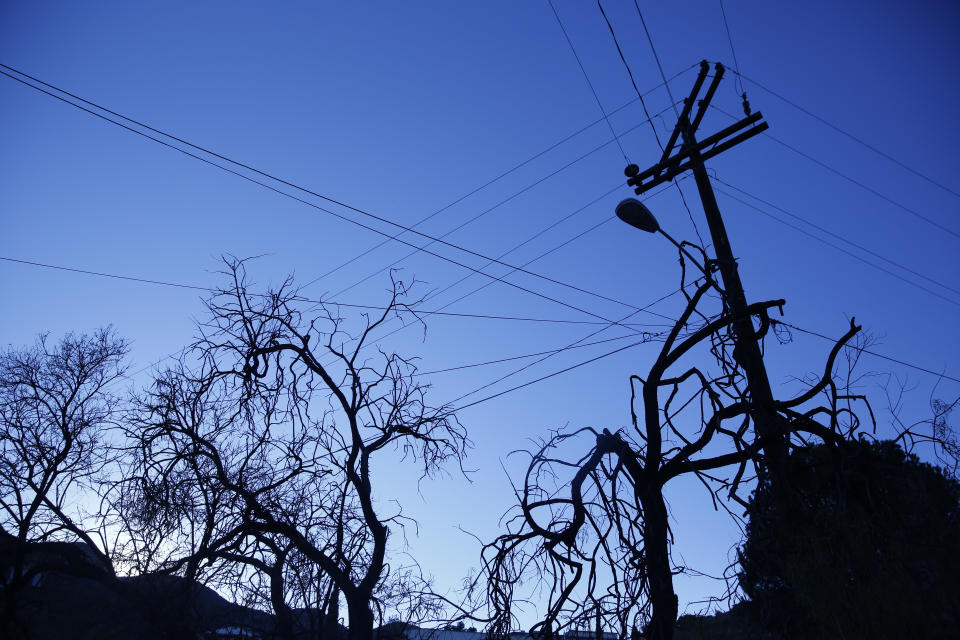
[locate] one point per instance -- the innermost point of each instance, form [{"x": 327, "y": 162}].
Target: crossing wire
[
  {"x": 647, "y": 337},
  {"x": 280, "y": 180},
  {"x": 352, "y": 221},
  {"x": 841, "y": 238},
  {"x": 496, "y": 395},
  {"x": 498, "y": 177},
  {"x": 849, "y": 135},
  {"x": 623, "y": 59},
  {"x": 587, "y": 78},
  {"x": 850, "y": 179},
  {"x": 904, "y": 363},
  {"x": 872, "y": 353},
  {"x": 837, "y": 247},
  {"x": 633, "y": 81},
  {"x": 308, "y": 191},
  {"x": 611, "y": 323},
  {"x": 520, "y": 357},
  {"x": 548, "y": 376},
  {"x": 496, "y": 206},
  {"x": 168, "y": 283},
  {"x": 644, "y": 309},
  {"x": 418, "y": 312}
]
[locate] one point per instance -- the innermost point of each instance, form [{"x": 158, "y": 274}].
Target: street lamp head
[{"x": 636, "y": 214}]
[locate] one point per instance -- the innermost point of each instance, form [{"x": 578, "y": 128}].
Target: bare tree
[
  {"x": 932, "y": 433},
  {"x": 258, "y": 449},
  {"x": 590, "y": 531},
  {"x": 55, "y": 405}
]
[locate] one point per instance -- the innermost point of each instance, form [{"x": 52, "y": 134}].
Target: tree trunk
[
  {"x": 330, "y": 625},
  {"x": 11, "y": 587},
  {"x": 360, "y": 626},
  {"x": 283, "y": 614},
  {"x": 663, "y": 600}
]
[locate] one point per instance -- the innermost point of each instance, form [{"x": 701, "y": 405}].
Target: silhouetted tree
[
  {"x": 866, "y": 546},
  {"x": 258, "y": 448},
  {"x": 55, "y": 405},
  {"x": 591, "y": 531}
]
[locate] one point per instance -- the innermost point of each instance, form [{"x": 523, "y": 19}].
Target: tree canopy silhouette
[
  {"x": 55, "y": 406},
  {"x": 867, "y": 545},
  {"x": 254, "y": 456}
]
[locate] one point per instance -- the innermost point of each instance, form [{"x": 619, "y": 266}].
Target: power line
[
  {"x": 736, "y": 64},
  {"x": 656, "y": 57},
  {"x": 168, "y": 283},
  {"x": 520, "y": 357},
  {"x": 617, "y": 187},
  {"x": 644, "y": 309},
  {"x": 280, "y": 180},
  {"x": 587, "y": 78},
  {"x": 206, "y": 289},
  {"x": 837, "y": 237},
  {"x": 623, "y": 59},
  {"x": 551, "y": 375},
  {"x": 872, "y": 353},
  {"x": 849, "y": 135},
  {"x": 103, "y": 274},
  {"x": 549, "y": 352},
  {"x": 418, "y": 312},
  {"x": 646, "y": 338},
  {"x": 865, "y": 187},
  {"x": 194, "y": 287},
  {"x": 838, "y": 248},
  {"x": 494, "y": 180},
  {"x": 337, "y": 215},
  {"x": 635, "y": 344},
  {"x": 629, "y": 72},
  {"x": 852, "y": 180},
  {"x": 493, "y": 208}
]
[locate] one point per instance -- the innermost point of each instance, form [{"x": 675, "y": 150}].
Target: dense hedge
[{"x": 864, "y": 542}]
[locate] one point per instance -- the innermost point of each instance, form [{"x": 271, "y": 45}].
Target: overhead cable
[
  {"x": 346, "y": 218},
  {"x": 623, "y": 59},
  {"x": 858, "y": 140},
  {"x": 499, "y": 204},
  {"x": 872, "y": 353},
  {"x": 587, "y": 78},
  {"x": 837, "y": 236},
  {"x": 837, "y": 247},
  {"x": 850, "y": 179},
  {"x": 415, "y": 311}
]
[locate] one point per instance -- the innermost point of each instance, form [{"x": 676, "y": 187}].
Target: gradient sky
[{"x": 402, "y": 108}]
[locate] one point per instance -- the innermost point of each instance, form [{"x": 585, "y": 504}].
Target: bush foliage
[{"x": 865, "y": 543}]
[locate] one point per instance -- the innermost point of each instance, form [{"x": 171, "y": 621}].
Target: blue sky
[{"x": 403, "y": 108}]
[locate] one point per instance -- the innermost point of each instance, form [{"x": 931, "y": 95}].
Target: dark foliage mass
[{"x": 865, "y": 544}]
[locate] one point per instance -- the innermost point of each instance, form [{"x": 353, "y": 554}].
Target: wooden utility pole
[{"x": 692, "y": 155}]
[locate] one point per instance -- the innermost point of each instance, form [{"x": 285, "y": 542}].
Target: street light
[{"x": 636, "y": 214}]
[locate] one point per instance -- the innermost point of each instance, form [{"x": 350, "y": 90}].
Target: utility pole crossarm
[{"x": 671, "y": 166}]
